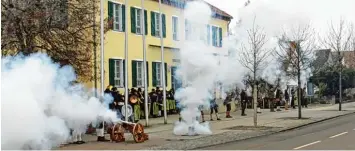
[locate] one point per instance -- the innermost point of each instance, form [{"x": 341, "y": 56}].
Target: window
[
  {"x": 140, "y": 82},
  {"x": 175, "y": 24},
  {"x": 155, "y": 22},
  {"x": 138, "y": 21},
  {"x": 216, "y": 36},
  {"x": 138, "y": 73},
  {"x": 157, "y": 69},
  {"x": 116, "y": 72},
  {"x": 116, "y": 16},
  {"x": 187, "y": 29}
]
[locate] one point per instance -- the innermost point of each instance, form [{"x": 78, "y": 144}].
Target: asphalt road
[{"x": 335, "y": 134}]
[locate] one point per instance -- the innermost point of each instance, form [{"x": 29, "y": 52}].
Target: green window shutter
[
  {"x": 164, "y": 25},
  {"x": 134, "y": 73},
  {"x": 208, "y": 34},
  {"x": 110, "y": 12},
  {"x": 147, "y": 73},
  {"x": 166, "y": 73},
  {"x": 124, "y": 72},
  {"x": 111, "y": 70},
  {"x": 133, "y": 20},
  {"x": 146, "y": 22},
  {"x": 154, "y": 74},
  {"x": 220, "y": 37},
  {"x": 123, "y": 18},
  {"x": 152, "y": 24}
]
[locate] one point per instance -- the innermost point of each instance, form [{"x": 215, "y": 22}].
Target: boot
[
  {"x": 218, "y": 119},
  {"x": 228, "y": 114},
  {"x": 101, "y": 135},
  {"x": 278, "y": 108},
  {"x": 211, "y": 117},
  {"x": 243, "y": 113}
]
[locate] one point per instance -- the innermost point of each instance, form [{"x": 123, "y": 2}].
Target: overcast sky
[{"x": 275, "y": 14}]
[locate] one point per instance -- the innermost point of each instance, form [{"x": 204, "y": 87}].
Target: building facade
[{"x": 175, "y": 31}]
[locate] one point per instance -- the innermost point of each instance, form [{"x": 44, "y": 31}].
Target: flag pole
[
  {"x": 146, "y": 113},
  {"x": 162, "y": 75},
  {"x": 102, "y": 74},
  {"x": 102, "y": 46},
  {"x": 126, "y": 63}
]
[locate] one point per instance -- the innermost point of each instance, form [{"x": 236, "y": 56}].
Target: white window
[
  {"x": 118, "y": 73},
  {"x": 140, "y": 79},
  {"x": 187, "y": 29},
  {"x": 175, "y": 24},
  {"x": 138, "y": 21},
  {"x": 215, "y": 36},
  {"x": 117, "y": 17},
  {"x": 158, "y": 74},
  {"x": 157, "y": 24}
]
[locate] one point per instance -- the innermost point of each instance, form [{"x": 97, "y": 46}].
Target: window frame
[
  {"x": 121, "y": 76},
  {"x": 158, "y": 73},
  {"x": 140, "y": 67},
  {"x": 218, "y": 43},
  {"x": 138, "y": 19},
  {"x": 120, "y": 17},
  {"x": 176, "y": 27}
]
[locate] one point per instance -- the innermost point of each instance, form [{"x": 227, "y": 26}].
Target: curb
[
  {"x": 314, "y": 122},
  {"x": 275, "y": 132}
]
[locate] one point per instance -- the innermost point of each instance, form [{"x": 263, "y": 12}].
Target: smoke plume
[
  {"x": 40, "y": 103},
  {"x": 202, "y": 68}
]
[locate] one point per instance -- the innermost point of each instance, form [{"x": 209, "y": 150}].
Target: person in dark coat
[
  {"x": 243, "y": 99},
  {"x": 287, "y": 99},
  {"x": 154, "y": 103}
]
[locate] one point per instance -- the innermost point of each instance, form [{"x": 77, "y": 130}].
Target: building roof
[
  {"x": 217, "y": 13},
  {"x": 321, "y": 58},
  {"x": 348, "y": 56}
]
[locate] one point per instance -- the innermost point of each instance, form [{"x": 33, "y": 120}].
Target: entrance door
[{"x": 175, "y": 81}]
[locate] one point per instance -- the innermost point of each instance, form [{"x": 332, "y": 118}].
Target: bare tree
[
  {"x": 338, "y": 39},
  {"x": 253, "y": 57},
  {"x": 61, "y": 28},
  {"x": 295, "y": 53}
]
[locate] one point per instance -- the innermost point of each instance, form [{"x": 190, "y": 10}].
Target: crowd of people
[{"x": 136, "y": 100}]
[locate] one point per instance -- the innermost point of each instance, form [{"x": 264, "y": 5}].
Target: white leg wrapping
[
  {"x": 217, "y": 115},
  {"x": 79, "y": 137},
  {"x": 75, "y": 136},
  {"x": 100, "y": 132}
]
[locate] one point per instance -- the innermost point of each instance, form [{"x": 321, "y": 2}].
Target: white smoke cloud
[
  {"x": 40, "y": 105},
  {"x": 201, "y": 68}
]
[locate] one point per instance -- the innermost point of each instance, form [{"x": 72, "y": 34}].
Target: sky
[{"x": 274, "y": 15}]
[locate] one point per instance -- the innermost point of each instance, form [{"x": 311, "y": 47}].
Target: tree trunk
[{"x": 255, "y": 101}]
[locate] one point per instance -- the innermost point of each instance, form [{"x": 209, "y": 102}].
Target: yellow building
[{"x": 174, "y": 28}]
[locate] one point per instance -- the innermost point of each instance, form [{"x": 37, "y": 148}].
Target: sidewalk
[{"x": 237, "y": 128}]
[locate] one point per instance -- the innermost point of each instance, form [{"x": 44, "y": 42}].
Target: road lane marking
[
  {"x": 307, "y": 145},
  {"x": 338, "y": 135}
]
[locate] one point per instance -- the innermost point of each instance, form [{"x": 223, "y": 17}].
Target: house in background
[{"x": 326, "y": 58}]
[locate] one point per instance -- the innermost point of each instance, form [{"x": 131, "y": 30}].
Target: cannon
[{"x": 136, "y": 129}]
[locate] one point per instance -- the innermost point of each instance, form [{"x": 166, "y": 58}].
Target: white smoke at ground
[
  {"x": 202, "y": 68},
  {"x": 40, "y": 104}
]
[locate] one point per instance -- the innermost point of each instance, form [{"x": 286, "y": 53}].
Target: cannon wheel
[
  {"x": 117, "y": 133},
  {"x": 138, "y": 133}
]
